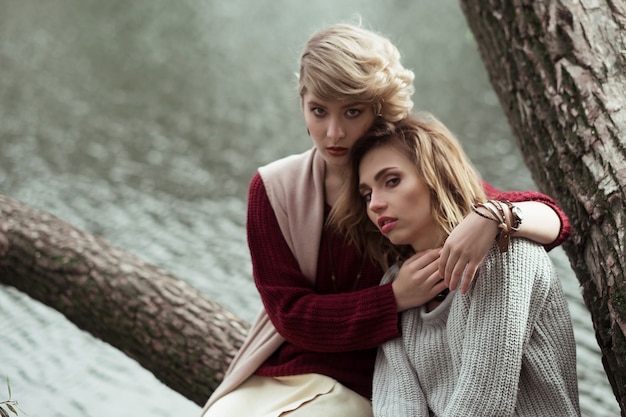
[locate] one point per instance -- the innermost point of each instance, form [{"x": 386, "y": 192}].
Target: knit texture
[
  {"x": 302, "y": 329},
  {"x": 506, "y": 348},
  {"x": 327, "y": 331},
  {"x": 299, "y": 330}
]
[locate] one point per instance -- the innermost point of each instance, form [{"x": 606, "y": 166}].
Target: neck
[
  {"x": 428, "y": 240},
  {"x": 334, "y": 178}
]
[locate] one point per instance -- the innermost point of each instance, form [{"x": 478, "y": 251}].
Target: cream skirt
[{"x": 309, "y": 395}]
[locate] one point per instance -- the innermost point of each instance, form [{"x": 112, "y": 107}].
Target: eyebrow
[
  {"x": 345, "y": 106},
  {"x": 354, "y": 104}
]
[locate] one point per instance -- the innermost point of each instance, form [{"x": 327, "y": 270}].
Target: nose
[
  {"x": 376, "y": 203},
  {"x": 335, "y": 130}
]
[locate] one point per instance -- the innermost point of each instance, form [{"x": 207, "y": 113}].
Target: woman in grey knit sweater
[{"x": 506, "y": 346}]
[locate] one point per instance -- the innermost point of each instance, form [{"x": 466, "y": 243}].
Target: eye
[
  {"x": 366, "y": 195},
  {"x": 352, "y": 113},
  {"x": 392, "y": 181},
  {"x": 318, "y": 111}
]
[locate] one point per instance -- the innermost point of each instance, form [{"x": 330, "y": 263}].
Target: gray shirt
[{"x": 505, "y": 348}]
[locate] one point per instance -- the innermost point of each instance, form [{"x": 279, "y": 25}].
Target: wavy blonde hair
[
  {"x": 345, "y": 61},
  {"x": 439, "y": 160}
]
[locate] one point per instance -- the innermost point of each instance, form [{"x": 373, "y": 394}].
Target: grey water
[{"x": 142, "y": 122}]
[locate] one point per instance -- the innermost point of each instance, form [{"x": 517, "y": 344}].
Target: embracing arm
[
  {"x": 544, "y": 222},
  {"x": 339, "y": 322}
]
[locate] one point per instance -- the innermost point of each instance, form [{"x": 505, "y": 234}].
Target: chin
[{"x": 397, "y": 242}]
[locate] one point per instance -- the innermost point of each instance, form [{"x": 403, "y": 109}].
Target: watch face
[{"x": 517, "y": 212}]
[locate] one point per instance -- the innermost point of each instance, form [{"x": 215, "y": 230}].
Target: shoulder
[
  {"x": 256, "y": 189},
  {"x": 282, "y": 167},
  {"x": 293, "y": 173},
  {"x": 275, "y": 175}
]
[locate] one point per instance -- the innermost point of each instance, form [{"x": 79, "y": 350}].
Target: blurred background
[{"x": 143, "y": 121}]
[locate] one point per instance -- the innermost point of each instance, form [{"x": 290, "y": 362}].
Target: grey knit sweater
[{"x": 506, "y": 348}]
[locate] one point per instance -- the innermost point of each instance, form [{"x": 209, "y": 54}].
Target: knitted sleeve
[
  {"x": 397, "y": 391},
  {"x": 324, "y": 323},
  {"x": 517, "y": 196},
  {"x": 488, "y": 329}
]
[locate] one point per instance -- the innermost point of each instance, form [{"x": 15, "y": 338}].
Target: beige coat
[{"x": 295, "y": 188}]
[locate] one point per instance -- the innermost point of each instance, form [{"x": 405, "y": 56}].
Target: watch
[{"x": 516, "y": 215}]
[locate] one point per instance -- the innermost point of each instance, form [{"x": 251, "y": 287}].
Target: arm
[
  {"x": 364, "y": 318},
  {"x": 396, "y": 387},
  {"x": 536, "y": 222},
  {"x": 543, "y": 206},
  {"x": 544, "y": 222},
  {"x": 541, "y": 223}
]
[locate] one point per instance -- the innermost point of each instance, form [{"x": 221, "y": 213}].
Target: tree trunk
[
  {"x": 559, "y": 70},
  {"x": 182, "y": 337}
]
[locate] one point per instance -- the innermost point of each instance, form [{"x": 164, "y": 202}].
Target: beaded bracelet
[
  {"x": 504, "y": 236},
  {"x": 481, "y": 214},
  {"x": 504, "y": 227},
  {"x": 498, "y": 205},
  {"x": 516, "y": 216}
]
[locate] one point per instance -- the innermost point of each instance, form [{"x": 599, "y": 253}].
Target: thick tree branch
[{"x": 182, "y": 337}]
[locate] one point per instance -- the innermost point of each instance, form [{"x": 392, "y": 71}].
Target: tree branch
[{"x": 182, "y": 337}]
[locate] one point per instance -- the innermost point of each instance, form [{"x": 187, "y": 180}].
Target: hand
[
  {"x": 418, "y": 280},
  {"x": 465, "y": 249}
]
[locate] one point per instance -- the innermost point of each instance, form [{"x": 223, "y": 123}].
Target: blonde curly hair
[{"x": 345, "y": 61}]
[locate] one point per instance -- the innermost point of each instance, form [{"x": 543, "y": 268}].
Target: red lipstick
[
  {"x": 337, "y": 151},
  {"x": 386, "y": 223}
]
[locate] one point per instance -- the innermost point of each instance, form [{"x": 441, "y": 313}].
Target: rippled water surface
[{"x": 143, "y": 121}]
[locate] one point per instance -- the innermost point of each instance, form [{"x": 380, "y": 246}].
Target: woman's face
[
  {"x": 335, "y": 126},
  {"x": 397, "y": 199}
]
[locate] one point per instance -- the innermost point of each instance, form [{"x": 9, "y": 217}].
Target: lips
[
  {"x": 386, "y": 223},
  {"x": 337, "y": 151}
]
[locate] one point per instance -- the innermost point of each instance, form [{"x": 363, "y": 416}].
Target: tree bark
[
  {"x": 167, "y": 326},
  {"x": 559, "y": 70}
]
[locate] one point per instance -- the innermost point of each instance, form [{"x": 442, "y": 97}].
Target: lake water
[{"x": 143, "y": 121}]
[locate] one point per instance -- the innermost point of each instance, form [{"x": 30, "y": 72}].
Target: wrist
[
  {"x": 490, "y": 225},
  {"x": 498, "y": 212},
  {"x": 516, "y": 215}
]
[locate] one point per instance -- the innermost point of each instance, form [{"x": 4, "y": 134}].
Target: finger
[
  {"x": 428, "y": 253},
  {"x": 468, "y": 278},
  {"x": 451, "y": 266},
  {"x": 434, "y": 277},
  {"x": 421, "y": 259},
  {"x": 425, "y": 278},
  {"x": 444, "y": 257},
  {"x": 457, "y": 274},
  {"x": 439, "y": 287}
]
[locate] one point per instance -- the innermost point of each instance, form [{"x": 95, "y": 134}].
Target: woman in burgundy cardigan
[{"x": 312, "y": 349}]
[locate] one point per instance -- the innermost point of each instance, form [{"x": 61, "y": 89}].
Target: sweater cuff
[
  {"x": 520, "y": 196},
  {"x": 388, "y": 301}
]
